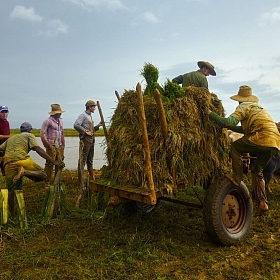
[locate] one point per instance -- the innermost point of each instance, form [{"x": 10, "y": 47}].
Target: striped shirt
[{"x": 52, "y": 132}]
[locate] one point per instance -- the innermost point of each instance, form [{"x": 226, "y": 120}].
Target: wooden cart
[{"x": 227, "y": 208}]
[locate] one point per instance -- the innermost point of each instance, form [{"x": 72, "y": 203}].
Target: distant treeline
[{"x": 68, "y": 132}]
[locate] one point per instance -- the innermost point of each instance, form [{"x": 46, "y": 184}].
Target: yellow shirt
[{"x": 257, "y": 124}]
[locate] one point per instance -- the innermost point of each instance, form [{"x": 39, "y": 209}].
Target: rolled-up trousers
[{"x": 264, "y": 155}]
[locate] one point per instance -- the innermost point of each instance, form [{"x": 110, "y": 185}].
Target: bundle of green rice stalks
[
  {"x": 151, "y": 75},
  {"x": 195, "y": 147}
]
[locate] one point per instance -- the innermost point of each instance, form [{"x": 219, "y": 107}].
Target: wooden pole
[
  {"x": 146, "y": 144},
  {"x": 102, "y": 121},
  {"x": 118, "y": 96},
  {"x": 164, "y": 128}
]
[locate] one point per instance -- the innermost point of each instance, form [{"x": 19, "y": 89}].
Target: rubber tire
[
  {"x": 214, "y": 207},
  {"x": 135, "y": 207}
]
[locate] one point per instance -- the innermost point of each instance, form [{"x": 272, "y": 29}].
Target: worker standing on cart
[
  {"x": 196, "y": 78},
  {"x": 261, "y": 136}
]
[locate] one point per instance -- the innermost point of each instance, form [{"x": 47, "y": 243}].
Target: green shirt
[
  {"x": 195, "y": 78},
  {"x": 18, "y": 146}
]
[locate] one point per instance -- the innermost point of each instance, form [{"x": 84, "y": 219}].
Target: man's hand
[
  {"x": 60, "y": 164},
  {"x": 207, "y": 111}
]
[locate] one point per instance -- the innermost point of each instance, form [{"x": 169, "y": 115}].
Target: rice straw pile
[{"x": 196, "y": 148}]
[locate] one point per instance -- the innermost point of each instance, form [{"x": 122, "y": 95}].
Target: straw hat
[
  {"x": 56, "y": 109},
  {"x": 208, "y": 65},
  {"x": 245, "y": 94}
]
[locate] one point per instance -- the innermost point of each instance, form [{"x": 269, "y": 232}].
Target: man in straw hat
[
  {"x": 18, "y": 163},
  {"x": 196, "y": 78},
  {"x": 85, "y": 126},
  {"x": 261, "y": 137},
  {"x": 52, "y": 136}
]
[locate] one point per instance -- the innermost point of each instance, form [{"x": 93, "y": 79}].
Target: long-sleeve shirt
[
  {"x": 84, "y": 123},
  {"x": 195, "y": 78},
  {"x": 256, "y": 124},
  {"x": 52, "y": 132}
]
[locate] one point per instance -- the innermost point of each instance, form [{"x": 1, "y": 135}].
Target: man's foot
[
  {"x": 263, "y": 207},
  {"x": 19, "y": 174}
]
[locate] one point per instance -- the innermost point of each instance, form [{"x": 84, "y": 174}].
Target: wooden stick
[
  {"x": 118, "y": 96},
  {"x": 102, "y": 121},
  {"x": 164, "y": 127},
  {"x": 146, "y": 144}
]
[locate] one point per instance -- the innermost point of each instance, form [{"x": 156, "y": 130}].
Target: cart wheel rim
[{"x": 233, "y": 212}]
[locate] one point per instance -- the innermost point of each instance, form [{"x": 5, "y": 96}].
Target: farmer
[
  {"x": 261, "y": 137},
  {"x": 52, "y": 136},
  {"x": 85, "y": 126},
  {"x": 4, "y": 130},
  {"x": 18, "y": 163},
  {"x": 196, "y": 78}
]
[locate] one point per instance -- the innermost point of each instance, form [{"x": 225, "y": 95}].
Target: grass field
[
  {"x": 68, "y": 132},
  {"x": 107, "y": 243}
]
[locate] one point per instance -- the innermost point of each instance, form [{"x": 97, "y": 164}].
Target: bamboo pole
[
  {"x": 164, "y": 127},
  {"x": 102, "y": 120},
  {"x": 118, "y": 96},
  {"x": 81, "y": 175},
  {"x": 146, "y": 144}
]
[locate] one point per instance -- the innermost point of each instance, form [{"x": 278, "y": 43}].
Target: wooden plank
[{"x": 130, "y": 193}]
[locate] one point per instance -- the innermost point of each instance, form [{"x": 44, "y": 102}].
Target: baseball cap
[
  {"x": 25, "y": 127},
  {"x": 4, "y": 108},
  {"x": 90, "y": 103}
]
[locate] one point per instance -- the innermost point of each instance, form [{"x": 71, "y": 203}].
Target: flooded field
[{"x": 72, "y": 153}]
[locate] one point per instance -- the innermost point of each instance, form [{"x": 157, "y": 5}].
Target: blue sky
[{"x": 69, "y": 51}]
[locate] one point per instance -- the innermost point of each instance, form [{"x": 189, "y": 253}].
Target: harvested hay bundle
[{"x": 198, "y": 147}]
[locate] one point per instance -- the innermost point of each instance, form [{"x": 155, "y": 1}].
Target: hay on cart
[{"x": 197, "y": 148}]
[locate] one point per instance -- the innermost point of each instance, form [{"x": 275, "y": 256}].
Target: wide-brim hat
[
  {"x": 208, "y": 65},
  {"x": 245, "y": 94},
  {"x": 56, "y": 109}
]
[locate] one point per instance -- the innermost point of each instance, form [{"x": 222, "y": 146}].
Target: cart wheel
[
  {"x": 228, "y": 212},
  {"x": 135, "y": 207}
]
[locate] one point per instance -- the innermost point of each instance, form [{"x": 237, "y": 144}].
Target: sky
[{"x": 70, "y": 51}]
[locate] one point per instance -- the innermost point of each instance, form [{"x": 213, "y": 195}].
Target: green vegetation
[
  {"x": 68, "y": 132},
  {"x": 151, "y": 75},
  {"x": 106, "y": 243}
]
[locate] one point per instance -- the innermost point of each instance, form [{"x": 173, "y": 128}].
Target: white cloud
[
  {"x": 21, "y": 12},
  {"x": 55, "y": 27},
  {"x": 88, "y": 4},
  {"x": 150, "y": 17},
  {"x": 270, "y": 18}
]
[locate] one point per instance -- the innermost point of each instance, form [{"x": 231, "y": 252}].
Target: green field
[
  {"x": 68, "y": 132},
  {"x": 103, "y": 242}
]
